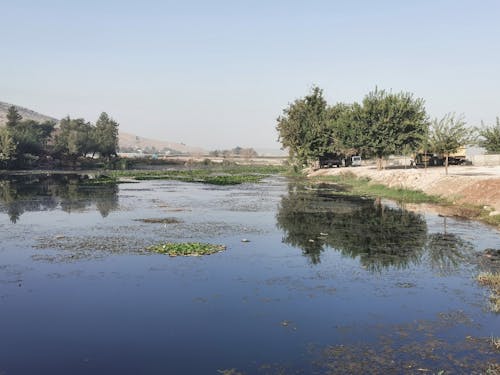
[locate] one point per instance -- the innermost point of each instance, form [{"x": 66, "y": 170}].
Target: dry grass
[
  {"x": 492, "y": 281},
  {"x": 495, "y": 341}
]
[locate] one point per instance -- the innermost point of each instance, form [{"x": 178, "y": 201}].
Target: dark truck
[{"x": 328, "y": 160}]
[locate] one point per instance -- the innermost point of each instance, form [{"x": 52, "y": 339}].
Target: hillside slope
[
  {"x": 131, "y": 140},
  {"x": 27, "y": 114}
]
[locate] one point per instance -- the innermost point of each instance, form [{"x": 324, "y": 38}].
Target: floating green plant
[
  {"x": 166, "y": 220},
  {"x": 186, "y": 248},
  {"x": 214, "y": 175}
]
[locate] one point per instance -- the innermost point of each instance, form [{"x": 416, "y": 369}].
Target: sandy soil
[{"x": 463, "y": 184}]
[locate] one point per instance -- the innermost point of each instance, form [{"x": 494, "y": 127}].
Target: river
[{"x": 312, "y": 281}]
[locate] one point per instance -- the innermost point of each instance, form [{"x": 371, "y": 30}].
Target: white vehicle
[{"x": 356, "y": 161}]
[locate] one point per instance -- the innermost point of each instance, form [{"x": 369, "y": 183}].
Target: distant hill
[
  {"x": 135, "y": 142},
  {"x": 27, "y": 114},
  {"x": 126, "y": 140}
]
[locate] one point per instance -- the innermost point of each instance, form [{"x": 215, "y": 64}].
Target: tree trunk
[
  {"x": 446, "y": 164},
  {"x": 379, "y": 163}
]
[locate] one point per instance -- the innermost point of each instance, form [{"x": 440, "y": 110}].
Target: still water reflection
[
  {"x": 70, "y": 193},
  {"x": 315, "y": 218}
]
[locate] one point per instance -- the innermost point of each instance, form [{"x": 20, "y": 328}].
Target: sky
[{"x": 217, "y": 74}]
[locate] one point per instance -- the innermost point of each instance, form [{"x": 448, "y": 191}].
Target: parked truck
[
  {"x": 329, "y": 160},
  {"x": 430, "y": 159}
]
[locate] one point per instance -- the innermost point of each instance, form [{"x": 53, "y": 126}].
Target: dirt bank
[{"x": 463, "y": 184}]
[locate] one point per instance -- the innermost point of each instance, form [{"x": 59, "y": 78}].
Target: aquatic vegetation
[
  {"x": 416, "y": 347},
  {"x": 491, "y": 280},
  {"x": 186, "y": 248},
  {"x": 98, "y": 180},
  {"x": 165, "y": 220},
  {"x": 214, "y": 175}
]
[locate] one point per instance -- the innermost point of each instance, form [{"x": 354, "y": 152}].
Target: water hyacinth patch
[{"x": 174, "y": 249}]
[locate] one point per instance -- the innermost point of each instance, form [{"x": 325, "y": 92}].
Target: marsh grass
[
  {"x": 99, "y": 181},
  {"x": 166, "y": 220},
  {"x": 211, "y": 174},
  {"x": 492, "y": 281},
  {"x": 186, "y": 248},
  {"x": 487, "y": 218}
]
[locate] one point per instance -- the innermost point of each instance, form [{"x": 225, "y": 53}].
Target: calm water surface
[{"x": 327, "y": 284}]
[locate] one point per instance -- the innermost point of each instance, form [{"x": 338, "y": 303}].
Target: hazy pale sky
[{"x": 217, "y": 74}]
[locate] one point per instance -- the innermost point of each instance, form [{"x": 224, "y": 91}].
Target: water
[{"x": 327, "y": 283}]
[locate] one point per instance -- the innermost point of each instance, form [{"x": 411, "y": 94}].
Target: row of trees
[
  {"x": 237, "y": 151},
  {"x": 384, "y": 123},
  {"x": 22, "y": 140}
]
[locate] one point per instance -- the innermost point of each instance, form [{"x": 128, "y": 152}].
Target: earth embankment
[{"x": 463, "y": 184}]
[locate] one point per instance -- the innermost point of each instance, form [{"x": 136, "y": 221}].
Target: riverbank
[{"x": 463, "y": 186}]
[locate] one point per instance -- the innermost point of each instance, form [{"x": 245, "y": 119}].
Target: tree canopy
[
  {"x": 106, "y": 131},
  {"x": 448, "y": 134},
  {"x": 305, "y": 129},
  {"x": 392, "y": 122},
  {"x": 76, "y": 138},
  {"x": 490, "y": 137},
  {"x": 383, "y": 124}
]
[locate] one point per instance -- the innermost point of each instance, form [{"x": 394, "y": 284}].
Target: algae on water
[{"x": 186, "y": 248}]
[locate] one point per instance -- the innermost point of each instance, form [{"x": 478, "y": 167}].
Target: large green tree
[
  {"x": 391, "y": 122},
  {"x": 76, "y": 138},
  {"x": 32, "y": 137},
  {"x": 448, "y": 134},
  {"x": 106, "y": 135},
  {"x": 490, "y": 137},
  {"x": 305, "y": 129},
  {"x": 348, "y": 129}
]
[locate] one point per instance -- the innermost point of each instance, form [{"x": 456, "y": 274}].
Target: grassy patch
[
  {"x": 213, "y": 174},
  {"x": 364, "y": 187},
  {"x": 99, "y": 180},
  {"x": 487, "y": 218},
  {"x": 186, "y": 248},
  {"x": 492, "y": 281}
]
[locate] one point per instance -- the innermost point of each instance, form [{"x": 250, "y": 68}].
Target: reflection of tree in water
[
  {"x": 19, "y": 194},
  {"x": 381, "y": 236},
  {"x": 33, "y": 196},
  {"x": 446, "y": 251}
]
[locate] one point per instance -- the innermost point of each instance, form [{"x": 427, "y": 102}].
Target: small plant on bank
[
  {"x": 491, "y": 280},
  {"x": 186, "y": 248},
  {"x": 495, "y": 341}
]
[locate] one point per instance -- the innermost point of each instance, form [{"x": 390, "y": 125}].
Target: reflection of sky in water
[{"x": 261, "y": 302}]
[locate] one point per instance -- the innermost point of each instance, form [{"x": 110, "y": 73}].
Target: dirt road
[{"x": 463, "y": 184}]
